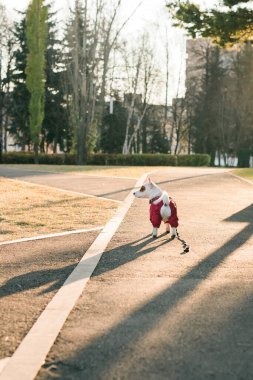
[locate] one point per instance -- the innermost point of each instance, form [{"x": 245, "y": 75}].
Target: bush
[
  {"x": 194, "y": 160},
  {"x": 70, "y": 159},
  {"x": 18, "y": 158},
  {"x": 51, "y": 159},
  {"x": 45, "y": 159},
  {"x": 110, "y": 159},
  {"x": 133, "y": 159}
]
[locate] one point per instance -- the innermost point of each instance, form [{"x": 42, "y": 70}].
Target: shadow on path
[
  {"x": 158, "y": 183},
  {"x": 55, "y": 277},
  {"x": 218, "y": 342},
  {"x": 19, "y": 173},
  {"x": 32, "y": 280}
]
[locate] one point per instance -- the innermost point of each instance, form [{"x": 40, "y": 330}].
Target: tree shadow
[
  {"x": 158, "y": 183},
  {"x": 36, "y": 279},
  {"x": 198, "y": 354},
  {"x": 19, "y": 173},
  {"x": 110, "y": 260}
]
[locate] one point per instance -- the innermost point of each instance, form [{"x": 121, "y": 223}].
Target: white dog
[{"x": 162, "y": 207}]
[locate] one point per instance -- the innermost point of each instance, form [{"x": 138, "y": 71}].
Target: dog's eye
[{"x": 142, "y": 188}]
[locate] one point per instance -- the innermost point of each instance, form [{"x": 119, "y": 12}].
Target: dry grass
[
  {"x": 115, "y": 171},
  {"x": 245, "y": 173},
  {"x": 31, "y": 210}
]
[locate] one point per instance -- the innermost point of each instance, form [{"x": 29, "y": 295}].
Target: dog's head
[{"x": 148, "y": 190}]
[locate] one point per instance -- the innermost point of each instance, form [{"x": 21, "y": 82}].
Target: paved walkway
[
  {"x": 106, "y": 187},
  {"x": 150, "y": 312}
]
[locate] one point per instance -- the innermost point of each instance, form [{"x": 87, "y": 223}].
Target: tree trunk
[{"x": 36, "y": 153}]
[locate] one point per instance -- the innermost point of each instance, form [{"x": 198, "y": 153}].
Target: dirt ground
[{"x": 30, "y": 210}]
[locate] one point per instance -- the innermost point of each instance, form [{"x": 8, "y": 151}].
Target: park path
[
  {"x": 105, "y": 187},
  {"x": 150, "y": 312}
]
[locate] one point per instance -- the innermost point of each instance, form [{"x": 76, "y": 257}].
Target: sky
[{"x": 151, "y": 12}]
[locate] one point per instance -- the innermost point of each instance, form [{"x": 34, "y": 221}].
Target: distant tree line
[
  {"x": 86, "y": 89},
  {"x": 58, "y": 98}
]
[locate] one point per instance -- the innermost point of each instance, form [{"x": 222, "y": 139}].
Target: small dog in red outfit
[{"x": 162, "y": 207}]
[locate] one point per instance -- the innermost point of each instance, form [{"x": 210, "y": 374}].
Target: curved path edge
[{"x": 32, "y": 351}]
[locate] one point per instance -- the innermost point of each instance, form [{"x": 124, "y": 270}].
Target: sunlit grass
[
  {"x": 31, "y": 210},
  {"x": 245, "y": 173}
]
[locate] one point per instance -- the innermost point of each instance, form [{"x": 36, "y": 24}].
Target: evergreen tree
[
  {"x": 36, "y": 34},
  {"x": 55, "y": 127},
  {"x": 156, "y": 140},
  {"x": 241, "y": 89},
  {"x": 113, "y": 129},
  {"x": 227, "y": 25},
  {"x": 20, "y": 96},
  {"x": 208, "y": 104}
]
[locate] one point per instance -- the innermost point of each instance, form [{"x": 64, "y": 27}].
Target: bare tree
[
  {"x": 111, "y": 33},
  {"x": 82, "y": 66},
  {"x": 6, "y": 56},
  {"x": 179, "y": 119},
  {"x": 142, "y": 75}
]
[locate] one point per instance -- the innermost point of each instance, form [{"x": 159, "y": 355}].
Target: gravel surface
[{"x": 151, "y": 312}]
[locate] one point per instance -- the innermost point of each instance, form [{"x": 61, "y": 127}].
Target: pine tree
[
  {"x": 36, "y": 34},
  {"x": 20, "y": 95},
  {"x": 113, "y": 129},
  {"x": 224, "y": 25},
  {"x": 207, "y": 104},
  {"x": 55, "y": 127}
]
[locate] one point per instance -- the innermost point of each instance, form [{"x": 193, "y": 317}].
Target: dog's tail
[{"x": 164, "y": 198}]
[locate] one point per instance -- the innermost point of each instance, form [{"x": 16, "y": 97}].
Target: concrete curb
[
  {"x": 48, "y": 236},
  {"x": 31, "y": 353},
  {"x": 241, "y": 178}
]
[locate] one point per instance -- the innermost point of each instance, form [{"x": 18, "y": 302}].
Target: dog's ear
[{"x": 150, "y": 182}]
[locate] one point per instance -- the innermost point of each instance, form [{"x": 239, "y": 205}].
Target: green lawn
[{"x": 245, "y": 173}]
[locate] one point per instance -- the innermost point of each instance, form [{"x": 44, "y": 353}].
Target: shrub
[
  {"x": 132, "y": 159},
  {"x": 46, "y": 159},
  {"x": 18, "y": 158},
  {"x": 70, "y": 159},
  {"x": 193, "y": 160},
  {"x": 51, "y": 159},
  {"x": 110, "y": 159}
]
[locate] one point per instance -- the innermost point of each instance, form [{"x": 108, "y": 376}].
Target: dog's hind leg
[
  {"x": 174, "y": 233},
  {"x": 167, "y": 228},
  {"x": 154, "y": 233}
]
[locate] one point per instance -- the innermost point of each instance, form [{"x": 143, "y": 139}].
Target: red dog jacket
[{"x": 155, "y": 216}]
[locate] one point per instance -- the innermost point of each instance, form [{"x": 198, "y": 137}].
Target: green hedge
[
  {"x": 110, "y": 159},
  {"x": 133, "y": 159},
  {"x": 193, "y": 160},
  {"x": 45, "y": 159},
  {"x": 18, "y": 158}
]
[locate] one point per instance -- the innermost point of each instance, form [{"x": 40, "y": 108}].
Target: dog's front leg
[
  {"x": 174, "y": 232},
  {"x": 154, "y": 233}
]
